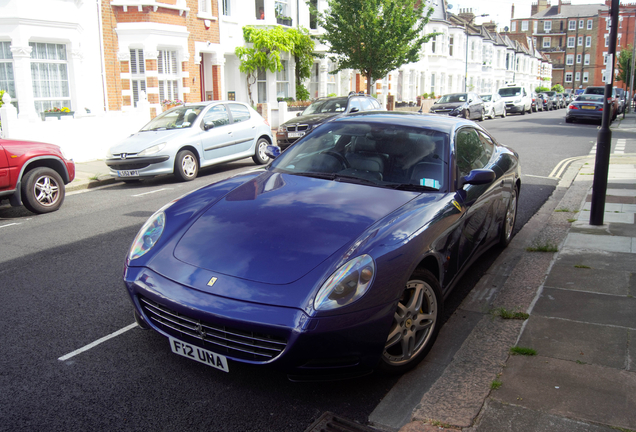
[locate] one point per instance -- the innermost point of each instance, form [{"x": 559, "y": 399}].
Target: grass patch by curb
[
  {"x": 517, "y": 350},
  {"x": 542, "y": 247},
  {"x": 562, "y": 210},
  {"x": 582, "y": 266},
  {"x": 495, "y": 384},
  {"x": 571, "y": 220},
  {"x": 506, "y": 314}
]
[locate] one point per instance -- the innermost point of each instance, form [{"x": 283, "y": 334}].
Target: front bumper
[
  {"x": 515, "y": 108},
  {"x": 322, "y": 347},
  {"x": 146, "y": 166},
  {"x": 454, "y": 113}
]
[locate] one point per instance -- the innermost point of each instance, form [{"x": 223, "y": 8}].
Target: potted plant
[
  {"x": 57, "y": 112},
  {"x": 170, "y": 103}
]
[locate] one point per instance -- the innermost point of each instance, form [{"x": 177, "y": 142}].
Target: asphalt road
[{"x": 61, "y": 289}]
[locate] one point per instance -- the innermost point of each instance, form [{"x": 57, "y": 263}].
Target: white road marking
[
  {"x": 543, "y": 177},
  {"x": 560, "y": 168},
  {"x": 97, "y": 342},
  {"x": 620, "y": 146},
  {"x": 8, "y": 225},
  {"x": 151, "y": 192}
]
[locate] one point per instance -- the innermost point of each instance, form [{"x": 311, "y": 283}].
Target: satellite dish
[
  {"x": 506, "y": 29},
  {"x": 449, "y": 7}
]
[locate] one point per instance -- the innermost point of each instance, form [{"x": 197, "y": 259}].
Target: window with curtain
[
  {"x": 282, "y": 81},
  {"x": 331, "y": 79},
  {"x": 168, "y": 74},
  {"x": 227, "y": 7},
  {"x": 314, "y": 80},
  {"x": 586, "y": 59},
  {"x": 137, "y": 73},
  {"x": 261, "y": 86},
  {"x": 7, "y": 82},
  {"x": 49, "y": 73}
]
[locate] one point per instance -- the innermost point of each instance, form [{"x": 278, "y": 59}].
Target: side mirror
[
  {"x": 272, "y": 152},
  {"x": 298, "y": 114},
  {"x": 478, "y": 177},
  {"x": 470, "y": 101},
  {"x": 208, "y": 126},
  {"x": 354, "y": 110}
]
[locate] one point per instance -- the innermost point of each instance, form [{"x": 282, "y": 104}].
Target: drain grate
[{"x": 329, "y": 422}]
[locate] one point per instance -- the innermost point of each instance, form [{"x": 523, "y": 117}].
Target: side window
[
  {"x": 471, "y": 151},
  {"x": 217, "y": 115},
  {"x": 367, "y": 104},
  {"x": 354, "y": 103},
  {"x": 376, "y": 104},
  {"x": 239, "y": 112},
  {"x": 488, "y": 145}
]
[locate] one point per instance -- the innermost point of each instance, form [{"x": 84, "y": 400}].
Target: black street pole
[{"x": 604, "y": 138}]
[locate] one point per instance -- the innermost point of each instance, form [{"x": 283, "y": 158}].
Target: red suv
[{"x": 34, "y": 174}]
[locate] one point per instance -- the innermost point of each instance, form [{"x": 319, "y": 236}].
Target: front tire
[
  {"x": 260, "y": 158},
  {"x": 415, "y": 324},
  {"x": 186, "y": 166},
  {"x": 481, "y": 115},
  {"x": 510, "y": 218},
  {"x": 42, "y": 190},
  {"x": 503, "y": 114}
]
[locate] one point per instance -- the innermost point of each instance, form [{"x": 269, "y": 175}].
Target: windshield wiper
[
  {"x": 155, "y": 129},
  {"x": 326, "y": 176},
  {"x": 410, "y": 187},
  {"x": 354, "y": 179}
]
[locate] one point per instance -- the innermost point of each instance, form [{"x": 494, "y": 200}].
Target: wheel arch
[
  {"x": 48, "y": 162},
  {"x": 192, "y": 149},
  {"x": 432, "y": 264},
  {"x": 266, "y": 137}
]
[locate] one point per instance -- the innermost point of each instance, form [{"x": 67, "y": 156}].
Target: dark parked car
[
  {"x": 561, "y": 100},
  {"x": 585, "y": 107},
  {"x": 33, "y": 174},
  {"x": 553, "y": 98},
  {"x": 320, "y": 111},
  {"x": 537, "y": 103},
  {"x": 547, "y": 102},
  {"x": 336, "y": 258},
  {"x": 600, "y": 90},
  {"x": 464, "y": 105}
]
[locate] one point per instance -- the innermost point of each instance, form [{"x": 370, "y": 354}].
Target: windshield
[
  {"x": 327, "y": 106},
  {"x": 453, "y": 98},
  {"x": 176, "y": 118},
  {"x": 550, "y": 93},
  {"x": 486, "y": 98},
  {"x": 595, "y": 90},
  {"x": 380, "y": 155},
  {"x": 510, "y": 91},
  {"x": 590, "y": 98}
]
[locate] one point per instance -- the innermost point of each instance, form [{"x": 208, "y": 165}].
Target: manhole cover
[{"x": 328, "y": 422}]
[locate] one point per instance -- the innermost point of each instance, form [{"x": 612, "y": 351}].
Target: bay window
[{"x": 49, "y": 74}]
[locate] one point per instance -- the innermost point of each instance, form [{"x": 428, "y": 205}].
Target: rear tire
[
  {"x": 260, "y": 158},
  {"x": 42, "y": 190},
  {"x": 503, "y": 114},
  {"x": 186, "y": 166}
]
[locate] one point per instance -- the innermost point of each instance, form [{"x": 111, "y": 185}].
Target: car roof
[{"x": 409, "y": 119}]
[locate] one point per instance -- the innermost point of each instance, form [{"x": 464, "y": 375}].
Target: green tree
[
  {"x": 541, "y": 89},
  {"x": 625, "y": 65},
  {"x": 267, "y": 44},
  {"x": 558, "y": 88},
  {"x": 374, "y": 36}
]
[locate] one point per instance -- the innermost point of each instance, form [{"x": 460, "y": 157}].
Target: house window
[
  {"x": 572, "y": 25},
  {"x": 433, "y": 43},
  {"x": 578, "y": 59},
  {"x": 432, "y": 83},
  {"x": 606, "y": 40},
  {"x": 569, "y": 59},
  {"x": 577, "y": 77},
  {"x": 331, "y": 79},
  {"x": 227, "y": 7},
  {"x": 472, "y": 50},
  {"x": 581, "y": 24},
  {"x": 605, "y": 58},
  {"x": 261, "y": 86},
  {"x": 514, "y": 26},
  {"x": 579, "y": 41},
  {"x": 6, "y": 69},
  {"x": 314, "y": 82},
  {"x": 450, "y": 46},
  {"x": 282, "y": 9},
  {"x": 608, "y": 23},
  {"x": 535, "y": 26},
  {"x": 571, "y": 42},
  {"x": 524, "y": 25},
  {"x": 259, "y": 9},
  {"x": 547, "y": 26},
  {"x": 168, "y": 74},
  {"x": 586, "y": 59},
  {"x": 590, "y": 24},
  {"x": 49, "y": 72},
  {"x": 282, "y": 81},
  {"x": 137, "y": 73},
  {"x": 313, "y": 17},
  {"x": 588, "y": 41},
  {"x": 586, "y": 76},
  {"x": 205, "y": 8},
  {"x": 568, "y": 77}
]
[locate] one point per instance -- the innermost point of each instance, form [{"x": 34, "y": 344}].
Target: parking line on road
[
  {"x": 8, "y": 225},
  {"x": 97, "y": 342},
  {"x": 560, "y": 168},
  {"x": 151, "y": 192}
]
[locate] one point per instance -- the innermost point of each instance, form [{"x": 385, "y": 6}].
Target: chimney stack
[{"x": 467, "y": 15}]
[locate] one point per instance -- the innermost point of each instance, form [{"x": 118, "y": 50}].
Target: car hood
[
  {"x": 452, "y": 105},
  {"x": 277, "y": 227},
  {"x": 311, "y": 119},
  {"x": 142, "y": 140}
]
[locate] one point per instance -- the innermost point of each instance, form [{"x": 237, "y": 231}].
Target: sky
[{"x": 500, "y": 10}]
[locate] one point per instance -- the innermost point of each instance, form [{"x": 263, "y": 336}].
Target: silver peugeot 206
[{"x": 183, "y": 139}]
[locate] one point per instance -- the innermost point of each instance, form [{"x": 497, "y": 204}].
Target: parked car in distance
[
  {"x": 181, "y": 140},
  {"x": 494, "y": 105},
  {"x": 320, "y": 111},
  {"x": 398, "y": 206},
  {"x": 600, "y": 90},
  {"x": 537, "y": 103},
  {"x": 517, "y": 99},
  {"x": 560, "y": 100},
  {"x": 465, "y": 105},
  {"x": 585, "y": 107},
  {"x": 553, "y": 98},
  {"x": 34, "y": 174},
  {"x": 620, "y": 96},
  {"x": 547, "y": 102}
]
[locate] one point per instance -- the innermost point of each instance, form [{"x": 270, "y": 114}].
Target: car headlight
[
  {"x": 148, "y": 235},
  {"x": 282, "y": 128},
  {"x": 152, "y": 150},
  {"x": 347, "y": 284},
  {"x": 518, "y": 101}
]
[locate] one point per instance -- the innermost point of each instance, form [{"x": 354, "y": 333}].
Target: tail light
[{"x": 572, "y": 107}]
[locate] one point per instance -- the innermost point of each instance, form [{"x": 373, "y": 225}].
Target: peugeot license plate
[
  {"x": 128, "y": 173},
  {"x": 201, "y": 355},
  {"x": 295, "y": 134}
]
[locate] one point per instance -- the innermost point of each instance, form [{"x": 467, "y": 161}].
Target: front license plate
[
  {"x": 295, "y": 134},
  {"x": 128, "y": 173},
  {"x": 588, "y": 107},
  {"x": 201, "y": 355}
]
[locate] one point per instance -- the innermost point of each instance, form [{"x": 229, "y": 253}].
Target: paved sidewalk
[{"x": 582, "y": 322}]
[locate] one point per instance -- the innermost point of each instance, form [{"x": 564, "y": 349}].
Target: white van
[{"x": 517, "y": 98}]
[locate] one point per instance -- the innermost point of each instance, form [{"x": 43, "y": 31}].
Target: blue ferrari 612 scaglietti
[{"x": 333, "y": 260}]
